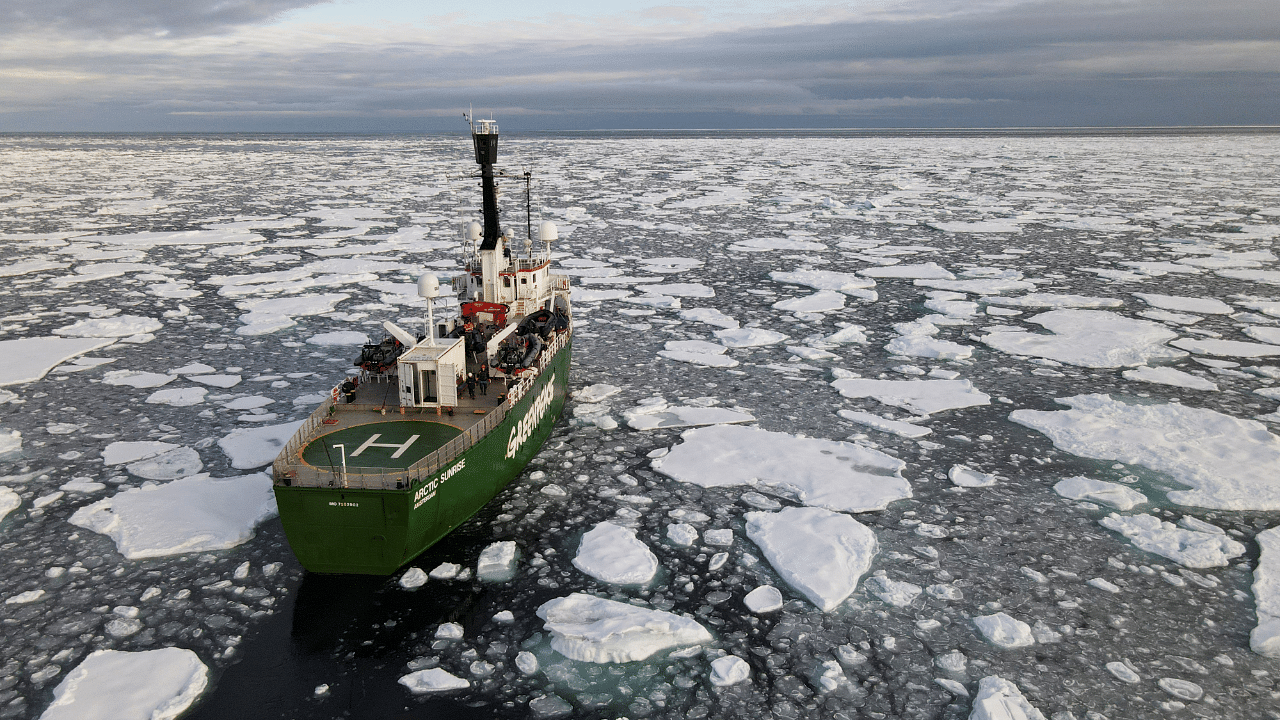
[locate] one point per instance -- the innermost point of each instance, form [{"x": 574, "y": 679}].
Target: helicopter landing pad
[{"x": 396, "y": 444}]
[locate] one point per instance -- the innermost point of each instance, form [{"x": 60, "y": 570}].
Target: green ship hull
[{"x": 377, "y": 531}]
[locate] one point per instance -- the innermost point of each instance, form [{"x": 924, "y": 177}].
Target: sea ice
[
  {"x": 820, "y": 553},
  {"x": 414, "y": 577},
  {"x": 251, "y": 448},
  {"x": 1004, "y": 631},
  {"x": 339, "y": 338},
  {"x": 682, "y": 534},
  {"x": 612, "y": 554},
  {"x": 999, "y": 699},
  {"x": 169, "y": 465},
  {"x": 218, "y": 381},
  {"x": 964, "y": 476},
  {"x": 895, "y": 427},
  {"x": 592, "y": 629},
  {"x": 1169, "y": 376},
  {"x": 1055, "y": 300},
  {"x": 729, "y": 670},
  {"x": 432, "y": 680},
  {"x": 764, "y": 599},
  {"x": 672, "y": 416},
  {"x": 1189, "y": 548},
  {"x": 1226, "y": 348},
  {"x": 846, "y": 283},
  {"x": 710, "y": 316},
  {"x": 922, "y": 397},
  {"x": 136, "y": 379},
  {"x": 821, "y": 301},
  {"x": 29, "y": 359},
  {"x": 1116, "y": 495},
  {"x": 923, "y": 271},
  {"x": 115, "y": 685},
  {"x": 1230, "y": 463},
  {"x": 9, "y": 501},
  {"x": 497, "y": 562},
  {"x": 194, "y": 514},
  {"x": 1207, "y": 306},
  {"x": 1269, "y": 335},
  {"x": 599, "y": 391},
  {"x": 818, "y": 472},
  {"x": 112, "y": 327},
  {"x": 749, "y": 337},
  {"x": 178, "y": 397},
  {"x": 1089, "y": 338},
  {"x": 893, "y": 592},
  {"x": 697, "y": 352},
  {"x": 1265, "y": 639},
  {"x": 929, "y": 347}
]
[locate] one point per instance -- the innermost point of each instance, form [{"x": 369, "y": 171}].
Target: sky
[{"x": 402, "y": 66}]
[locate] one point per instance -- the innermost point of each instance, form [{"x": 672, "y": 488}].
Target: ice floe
[
  {"x": 729, "y": 670},
  {"x": 749, "y": 337},
  {"x": 9, "y": 501},
  {"x": 178, "y": 397},
  {"x": 821, "y": 301},
  {"x": 1089, "y": 338},
  {"x": 764, "y": 599},
  {"x": 433, "y": 680},
  {"x": 136, "y": 378},
  {"x": 818, "y": 472},
  {"x": 1004, "y": 631},
  {"x": 1265, "y": 638},
  {"x": 923, "y": 271},
  {"x": 895, "y": 427},
  {"x": 29, "y": 359},
  {"x": 339, "y": 338},
  {"x": 193, "y": 514},
  {"x": 497, "y": 562},
  {"x": 112, "y": 327},
  {"x": 1189, "y": 548},
  {"x": 698, "y": 352},
  {"x": 250, "y": 448},
  {"x": 840, "y": 282},
  {"x": 1176, "y": 303},
  {"x": 612, "y": 554},
  {"x": 1169, "y": 376},
  {"x": 963, "y": 476},
  {"x": 146, "y": 685},
  {"x": 999, "y": 699},
  {"x": 1120, "y": 497},
  {"x": 1230, "y": 463},
  {"x": 652, "y": 416},
  {"x": 1053, "y": 300},
  {"x": 922, "y": 397},
  {"x": 820, "y": 553},
  {"x": 1226, "y": 348},
  {"x": 592, "y": 629},
  {"x": 710, "y": 316}
]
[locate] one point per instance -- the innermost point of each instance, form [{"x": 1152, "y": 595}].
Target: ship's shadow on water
[{"x": 356, "y": 634}]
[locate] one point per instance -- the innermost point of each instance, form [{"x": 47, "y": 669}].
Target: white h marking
[{"x": 372, "y": 442}]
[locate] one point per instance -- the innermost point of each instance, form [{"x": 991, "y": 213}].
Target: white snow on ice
[
  {"x": 592, "y": 629},
  {"x": 921, "y": 397},
  {"x": 1089, "y": 338},
  {"x": 612, "y": 554},
  {"x": 116, "y": 685},
  {"x": 819, "y": 553},
  {"x": 1189, "y": 548}
]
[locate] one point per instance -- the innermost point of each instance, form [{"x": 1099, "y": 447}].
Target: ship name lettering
[
  {"x": 538, "y": 410},
  {"x": 335, "y": 503},
  {"x": 428, "y": 491}
]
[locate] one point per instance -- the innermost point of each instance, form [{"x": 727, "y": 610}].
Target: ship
[{"x": 429, "y": 427}]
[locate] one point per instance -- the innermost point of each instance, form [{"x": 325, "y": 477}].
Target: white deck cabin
[{"x": 429, "y": 373}]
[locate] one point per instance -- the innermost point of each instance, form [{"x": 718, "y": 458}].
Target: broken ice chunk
[
  {"x": 149, "y": 684},
  {"x": 1004, "y": 631},
  {"x": 820, "y": 553},
  {"x": 1265, "y": 639},
  {"x": 612, "y": 554},
  {"x": 763, "y": 599},
  {"x": 894, "y": 592},
  {"x": 445, "y": 571},
  {"x": 592, "y": 629},
  {"x": 497, "y": 562},
  {"x": 729, "y": 670},
  {"x": 413, "y": 578},
  {"x": 432, "y": 680},
  {"x": 1123, "y": 672},
  {"x": 1114, "y": 494},
  {"x": 963, "y": 476},
  {"x": 1186, "y": 547},
  {"x": 999, "y": 699},
  {"x": 682, "y": 534}
]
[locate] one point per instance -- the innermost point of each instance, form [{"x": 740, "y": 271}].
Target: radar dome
[
  {"x": 472, "y": 231},
  {"x": 428, "y": 286},
  {"x": 547, "y": 231}
]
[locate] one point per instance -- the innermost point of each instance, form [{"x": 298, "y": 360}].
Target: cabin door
[
  {"x": 430, "y": 391},
  {"x": 449, "y": 388}
]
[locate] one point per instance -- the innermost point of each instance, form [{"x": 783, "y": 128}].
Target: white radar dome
[
  {"x": 472, "y": 231},
  {"x": 428, "y": 286},
  {"x": 547, "y": 231}
]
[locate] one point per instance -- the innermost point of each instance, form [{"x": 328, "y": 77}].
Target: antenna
[
  {"x": 528, "y": 215},
  {"x": 429, "y": 289}
]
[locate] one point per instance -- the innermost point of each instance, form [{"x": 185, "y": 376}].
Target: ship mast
[{"x": 492, "y": 251}]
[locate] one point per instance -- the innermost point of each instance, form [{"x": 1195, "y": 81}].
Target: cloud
[
  {"x": 121, "y": 18},
  {"x": 1106, "y": 62}
]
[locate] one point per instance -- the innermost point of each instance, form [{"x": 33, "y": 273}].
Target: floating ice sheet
[
  {"x": 822, "y": 473},
  {"x": 923, "y": 271},
  {"x": 136, "y": 379},
  {"x": 821, "y": 301},
  {"x": 1118, "y": 496},
  {"x": 1207, "y": 306},
  {"x": 9, "y": 501},
  {"x": 29, "y": 359},
  {"x": 1265, "y": 639},
  {"x": 999, "y": 699},
  {"x": 1089, "y": 338},
  {"x": 114, "y": 685},
  {"x": 1230, "y": 463},
  {"x": 671, "y": 416},
  {"x": 612, "y": 554},
  {"x": 251, "y": 448},
  {"x": 178, "y": 397},
  {"x": 194, "y": 514},
  {"x": 1189, "y": 548},
  {"x": 1169, "y": 376},
  {"x": 820, "y": 553},
  {"x": 433, "y": 680},
  {"x": 846, "y": 283},
  {"x": 749, "y": 337},
  {"x": 339, "y": 338},
  {"x": 112, "y": 327},
  {"x": 592, "y": 629},
  {"x": 1226, "y": 348},
  {"x": 895, "y": 427},
  {"x": 922, "y": 397}
]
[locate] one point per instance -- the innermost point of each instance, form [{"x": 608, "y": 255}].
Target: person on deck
[
  {"x": 471, "y": 385},
  {"x": 483, "y": 379}
]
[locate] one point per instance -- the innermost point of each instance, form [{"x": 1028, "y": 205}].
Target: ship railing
[{"x": 288, "y": 471}]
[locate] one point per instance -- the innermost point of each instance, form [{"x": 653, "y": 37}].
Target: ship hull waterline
[{"x": 376, "y": 532}]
